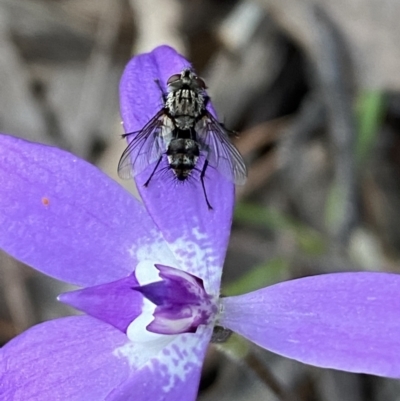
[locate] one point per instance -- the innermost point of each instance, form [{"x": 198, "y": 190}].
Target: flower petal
[
  {"x": 197, "y": 235},
  {"x": 81, "y": 358},
  {"x": 346, "y": 321},
  {"x": 65, "y": 359},
  {"x": 64, "y": 217},
  {"x": 173, "y": 376},
  {"x": 115, "y": 303}
]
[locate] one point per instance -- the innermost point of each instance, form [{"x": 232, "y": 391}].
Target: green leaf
[
  {"x": 308, "y": 239},
  {"x": 271, "y": 272},
  {"x": 370, "y": 111}
]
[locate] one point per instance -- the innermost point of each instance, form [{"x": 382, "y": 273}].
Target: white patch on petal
[
  {"x": 149, "y": 254},
  {"x": 198, "y": 235},
  {"x": 138, "y": 354},
  {"x": 144, "y": 344},
  {"x": 196, "y": 256},
  {"x": 194, "y": 253},
  {"x": 152, "y": 250},
  {"x": 179, "y": 357},
  {"x": 137, "y": 329},
  {"x": 147, "y": 273},
  {"x": 158, "y": 252},
  {"x": 176, "y": 356}
]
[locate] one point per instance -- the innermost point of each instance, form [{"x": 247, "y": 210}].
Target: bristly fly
[{"x": 181, "y": 130}]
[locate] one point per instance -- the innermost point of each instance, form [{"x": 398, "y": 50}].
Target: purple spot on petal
[{"x": 177, "y": 350}]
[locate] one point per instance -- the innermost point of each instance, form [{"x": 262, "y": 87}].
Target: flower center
[{"x": 181, "y": 301}]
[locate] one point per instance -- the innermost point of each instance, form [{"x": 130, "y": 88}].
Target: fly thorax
[{"x": 185, "y": 106}]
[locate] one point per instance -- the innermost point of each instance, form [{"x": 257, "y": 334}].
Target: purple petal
[
  {"x": 81, "y": 358},
  {"x": 347, "y": 321},
  {"x": 65, "y": 359},
  {"x": 64, "y": 217},
  {"x": 173, "y": 376},
  {"x": 197, "y": 235},
  {"x": 115, "y": 303}
]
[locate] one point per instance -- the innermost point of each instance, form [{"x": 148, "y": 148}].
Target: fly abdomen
[{"x": 182, "y": 156}]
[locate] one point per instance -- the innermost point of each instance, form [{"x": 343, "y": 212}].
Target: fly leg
[
  {"x": 151, "y": 175},
  {"x": 203, "y": 173},
  {"x": 164, "y": 95}
]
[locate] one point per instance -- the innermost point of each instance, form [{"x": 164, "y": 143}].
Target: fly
[{"x": 181, "y": 130}]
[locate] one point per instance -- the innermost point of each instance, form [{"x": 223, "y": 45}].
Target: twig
[
  {"x": 19, "y": 113},
  {"x": 157, "y": 23},
  {"x": 263, "y": 373},
  {"x": 241, "y": 351},
  {"x": 15, "y": 294},
  {"x": 93, "y": 92},
  {"x": 316, "y": 34}
]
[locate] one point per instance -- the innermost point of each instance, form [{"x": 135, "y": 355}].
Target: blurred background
[{"x": 313, "y": 88}]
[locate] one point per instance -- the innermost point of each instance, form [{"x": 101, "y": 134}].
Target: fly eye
[
  {"x": 201, "y": 83},
  {"x": 173, "y": 78}
]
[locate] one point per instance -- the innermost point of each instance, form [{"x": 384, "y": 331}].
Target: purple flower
[{"x": 151, "y": 278}]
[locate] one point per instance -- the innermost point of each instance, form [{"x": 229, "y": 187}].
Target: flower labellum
[
  {"x": 150, "y": 276},
  {"x": 182, "y": 304}
]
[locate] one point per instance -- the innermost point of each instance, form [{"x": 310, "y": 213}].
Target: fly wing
[
  {"x": 146, "y": 146},
  {"x": 221, "y": 154}
]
